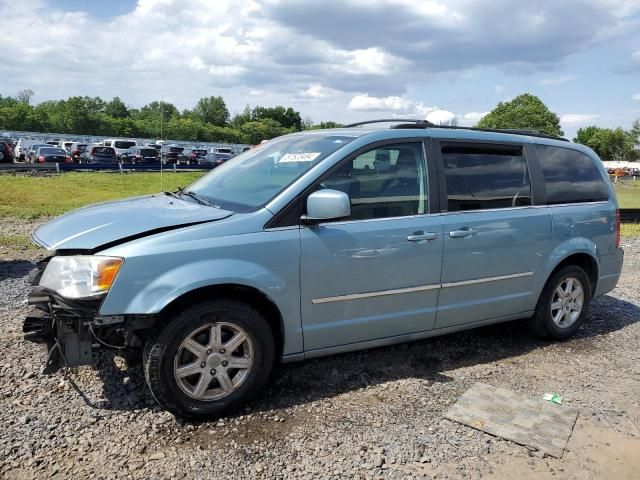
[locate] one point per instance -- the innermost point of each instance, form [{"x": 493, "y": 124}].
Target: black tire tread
[
  {"x": 154, "y": 347},
  {"x": 540, "y": 323}
]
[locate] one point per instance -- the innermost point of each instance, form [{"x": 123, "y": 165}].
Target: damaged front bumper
[
  {"x": 72, "y": 329},
  {"x": 63, "y": 326}
]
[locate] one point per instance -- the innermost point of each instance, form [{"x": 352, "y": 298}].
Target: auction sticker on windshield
[{"x": 299, "y": 157}]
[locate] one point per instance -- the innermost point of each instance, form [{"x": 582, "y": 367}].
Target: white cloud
[
  {"x": 636, "y": 96},
  {"x": 316, "y": 91},
  {"x": 392, "y": 103},
  {"x": 373, "y": 61},
  {"x": 576, "y": 119},
  {"x": 293, "y": 52},
  {"x": 471, "y": 118},
  {"x": 557, "y": 80}
]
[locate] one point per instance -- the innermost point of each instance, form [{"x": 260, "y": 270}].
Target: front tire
[
  {"x": 563, "y": 304},
  {"x": 209, "y": 359}
]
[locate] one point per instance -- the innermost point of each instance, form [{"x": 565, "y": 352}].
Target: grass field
[
  {"x": 29, "y": 197},
  {"x": 628, "y": 194},
  {"x": 39, "y": 197}
]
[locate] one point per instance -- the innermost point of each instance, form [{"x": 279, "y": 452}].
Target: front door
[
  {"x": 494, "y": 237},
  {"x": 377, "y": 273}
]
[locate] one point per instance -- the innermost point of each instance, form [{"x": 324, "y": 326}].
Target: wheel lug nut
[
  {"x": 213, "y": 371},
  {"x": 203, "y": 364},
  {"x": 225, "y": 363},
  {"x": 209, "y": 352},
  {"x": 222, "y": 350}
]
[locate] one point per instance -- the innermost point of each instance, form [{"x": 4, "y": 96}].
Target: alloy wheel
[
  {"x": 567, "y": 302},
  {"x": 213, "y": 361}
]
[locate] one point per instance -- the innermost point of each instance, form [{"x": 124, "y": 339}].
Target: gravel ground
[{"x": 373, "y": 414}]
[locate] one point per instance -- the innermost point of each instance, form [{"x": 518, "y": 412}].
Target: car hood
[{"x": 106, "y": 224}]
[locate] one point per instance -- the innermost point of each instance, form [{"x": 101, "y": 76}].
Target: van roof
[
  {"x": 400, "y": 123},
  {"x": 441, "y": 131}
]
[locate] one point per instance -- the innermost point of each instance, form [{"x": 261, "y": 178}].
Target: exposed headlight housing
[{"x": 80, "y": 276}]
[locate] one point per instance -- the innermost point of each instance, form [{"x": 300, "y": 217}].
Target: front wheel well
[
  {"x": 584, "y": 261},
  {"x": 242, "y": 293}
]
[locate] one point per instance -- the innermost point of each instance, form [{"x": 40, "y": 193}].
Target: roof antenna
[{"x": 161, "y": 141}]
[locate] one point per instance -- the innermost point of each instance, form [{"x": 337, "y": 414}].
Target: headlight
[{"x": 78, "y": 276}]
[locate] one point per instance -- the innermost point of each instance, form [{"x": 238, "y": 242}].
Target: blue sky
[{"x": 334, "y": 60}]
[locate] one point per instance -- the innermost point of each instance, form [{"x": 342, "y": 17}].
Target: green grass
[
  {"x": 30, "y": 197},
  {"x": 16, "y": 242},
  {"x": 630, "y": 230},
  {"x": 628, "y": 194}
]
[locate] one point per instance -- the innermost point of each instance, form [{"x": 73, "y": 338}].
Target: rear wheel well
[
  {"x": 584, "y": 261},
  {"x": 241, "y": 293}
]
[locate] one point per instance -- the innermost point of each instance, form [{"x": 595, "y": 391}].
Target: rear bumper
[{"x": 610, "y": 270}]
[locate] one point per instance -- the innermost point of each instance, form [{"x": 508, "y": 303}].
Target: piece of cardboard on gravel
[{"x": 536, "y": 423}]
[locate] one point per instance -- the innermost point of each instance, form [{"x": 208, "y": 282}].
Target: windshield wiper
[
  {"x": 198, "y": 198},
  {"x": 181, "y": 191}
]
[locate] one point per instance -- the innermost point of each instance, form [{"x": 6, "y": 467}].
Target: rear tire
[
  {"x": 563, "y": 304},
  {"x": 190, "y": 372}
]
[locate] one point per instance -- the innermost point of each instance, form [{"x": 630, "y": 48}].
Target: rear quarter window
[{"x": 570, "y": 176}]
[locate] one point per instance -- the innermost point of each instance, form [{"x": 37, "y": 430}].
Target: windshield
[
  {"x": 250, "y": 180},
  {"x": 123, "y": 144}
]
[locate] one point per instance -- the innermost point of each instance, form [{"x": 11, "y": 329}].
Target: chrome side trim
[
  {"x": 356, "y": 296},
  {"x": 486, "y": 279}
]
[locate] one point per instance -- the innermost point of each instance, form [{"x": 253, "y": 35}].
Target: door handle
[
  {"x": 420, "y": 236},
  {"x": 462, "y": 233}
]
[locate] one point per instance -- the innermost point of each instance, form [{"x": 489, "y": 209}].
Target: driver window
[
  {"x": 388, "y": 181},
  {"x": 481, "y": 178}
]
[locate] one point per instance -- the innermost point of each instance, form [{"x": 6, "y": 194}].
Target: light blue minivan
[{"x": 328, "y": 241}]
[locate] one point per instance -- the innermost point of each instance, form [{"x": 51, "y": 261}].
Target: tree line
[
  {"x": 527, "y": 111},
  {"x": 208, "y": 121}
]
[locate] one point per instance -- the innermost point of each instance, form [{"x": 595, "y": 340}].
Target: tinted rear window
[
  {"x": 480, "y": 178},
  {"x": 148, "y": 152},
  {"x": 103, "y": 151},
  {"x": 176, "y": 149},
  {"x": 52, "y": 151},
  {"x": 570, "y": 176},
  {"x": 123, "y": 144}
]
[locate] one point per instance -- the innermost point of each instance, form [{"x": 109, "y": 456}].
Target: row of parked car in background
[
  {"x": 624, "y": 171},
  {"x": 122, "y": 151}
]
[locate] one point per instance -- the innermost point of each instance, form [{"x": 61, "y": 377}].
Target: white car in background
[
  {"x": 120, "y": 145},
  {"x": 22, "y": 148},
  {"x": 65, "y": 144}
]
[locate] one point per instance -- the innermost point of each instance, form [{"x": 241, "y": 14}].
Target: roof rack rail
[
  {"x": 422, "y": 123},
  {"x": 417, "y": 123},
  {"x": 514, "y": 131}
]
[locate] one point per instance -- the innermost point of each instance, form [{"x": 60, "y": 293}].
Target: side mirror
[{"x": 327, "y": 205}]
